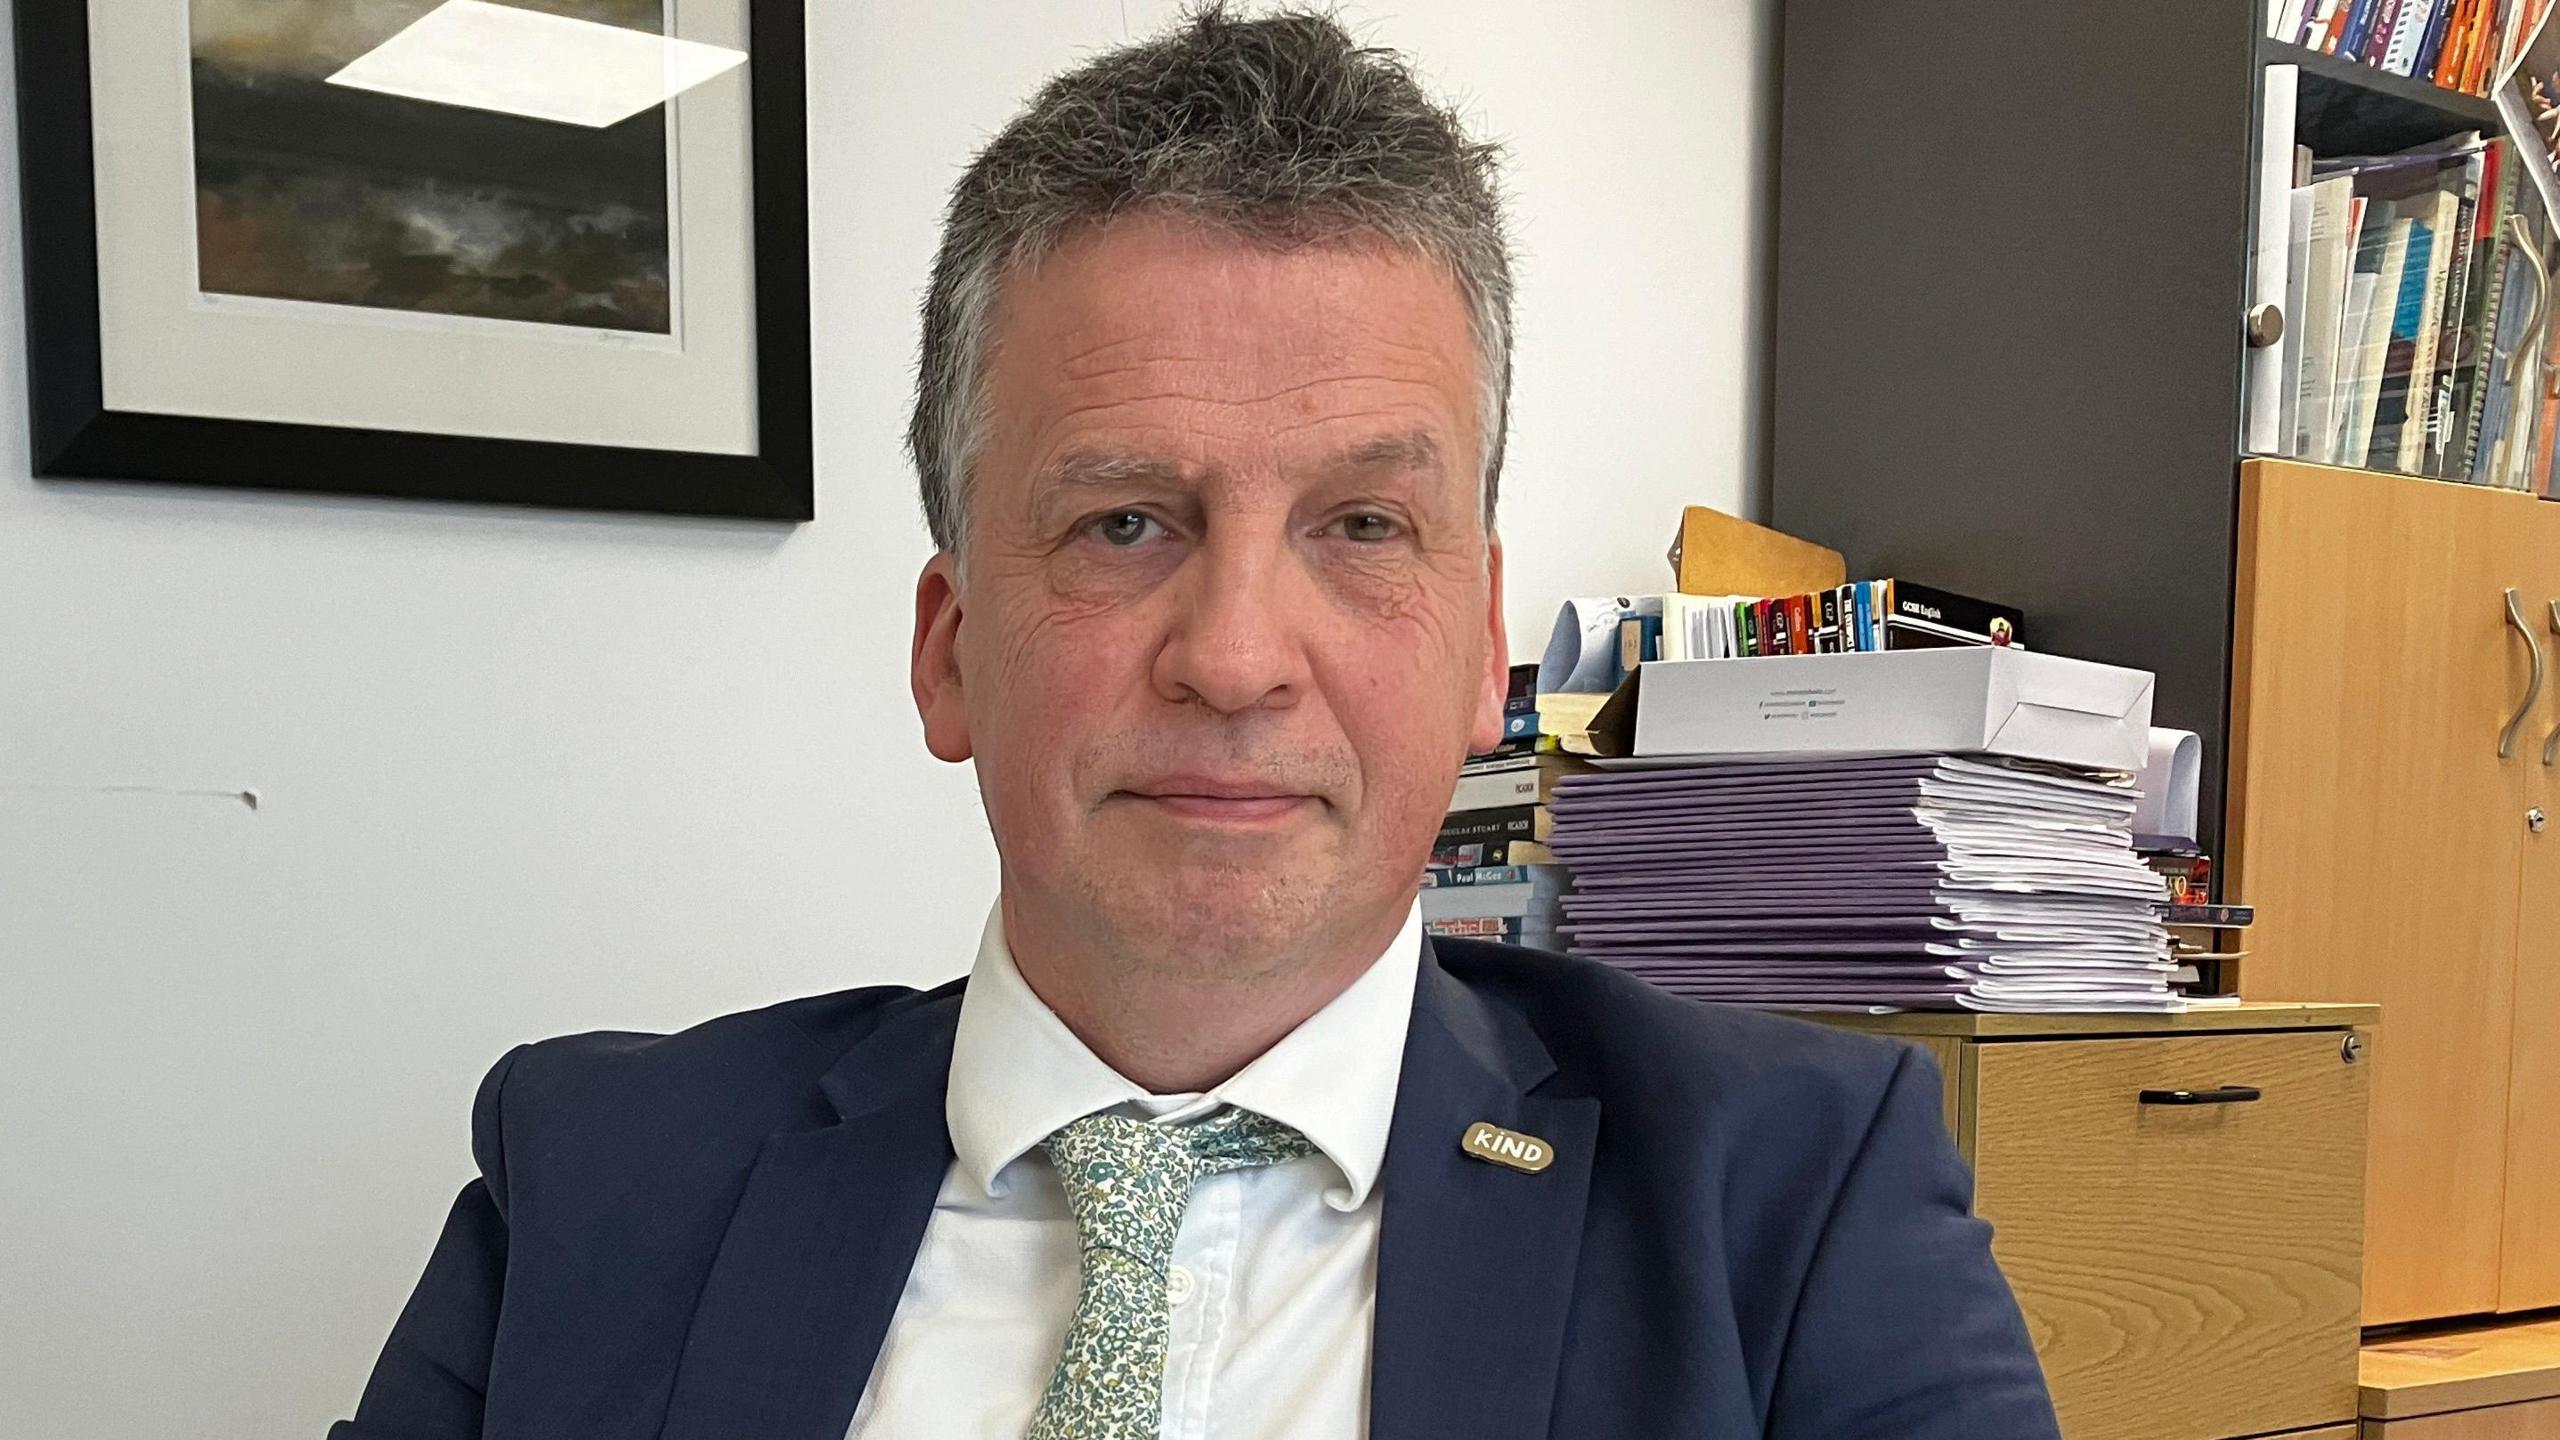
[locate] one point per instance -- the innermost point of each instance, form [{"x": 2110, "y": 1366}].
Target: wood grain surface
[
  {"x": 2380, "y": 836},
  {"x": 2535, "y": 1420},
  {"x": 2461, "y": 1369},
  {"x": 2187, "y": 1272}
]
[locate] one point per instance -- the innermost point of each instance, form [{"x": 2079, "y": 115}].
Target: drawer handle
[
  {"x": 2533, "y": 687},
  {"x": 2219, "y": 1095}
]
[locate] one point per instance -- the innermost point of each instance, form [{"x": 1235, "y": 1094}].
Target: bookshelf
[
  {"x": 2008, "y": 357},
  {"x": 2365, "y": 111}
]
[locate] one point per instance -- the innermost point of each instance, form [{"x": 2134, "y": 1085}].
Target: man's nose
[{"x": 1236, "y": 638}]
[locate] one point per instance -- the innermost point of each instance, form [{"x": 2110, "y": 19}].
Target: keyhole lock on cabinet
[{"x": 2534, "y": 820}]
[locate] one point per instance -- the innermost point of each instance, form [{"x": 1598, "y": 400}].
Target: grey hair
[{"x": 1281, "y": 130}]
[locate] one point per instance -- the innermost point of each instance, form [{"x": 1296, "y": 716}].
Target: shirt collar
[{"x": 1018, "y": 1072}]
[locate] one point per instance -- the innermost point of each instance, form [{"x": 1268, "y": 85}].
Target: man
[{"x": 1210, "y": 1140}]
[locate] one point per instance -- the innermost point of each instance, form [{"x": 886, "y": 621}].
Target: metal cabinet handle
[
  {"x": 2551, "y": 747},
  {"x": 2533, "y": 691},
  {"x": 2220, "y": 1095}
]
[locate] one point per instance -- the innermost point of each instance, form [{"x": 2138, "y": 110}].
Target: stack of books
[
  {"x": 2464, "y": 45},
  {"x": 1514, "y": 904},
  {"x": 2410, "y": 286},
  {"x": 1862, "y": 616},
  {"x": 1502, "y": 810},
  {"x": 1491, "y": 875},
  {"x": 1868, "y": 882}
]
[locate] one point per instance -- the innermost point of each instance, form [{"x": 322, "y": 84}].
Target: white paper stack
[{"x": 1919, "y": 882}]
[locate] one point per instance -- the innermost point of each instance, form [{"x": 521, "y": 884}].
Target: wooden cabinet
[
  {"x": 2534, "y": 1420},
  {"x": 2529, "y": 1253},
  {"x": 2188, "y": 1271},
  {"x": 2385, "y": 842},
  {"x": 2493, "y": 1382}
]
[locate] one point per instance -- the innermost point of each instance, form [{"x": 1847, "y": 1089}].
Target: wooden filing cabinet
[{"x": 2187, "y": 1256}]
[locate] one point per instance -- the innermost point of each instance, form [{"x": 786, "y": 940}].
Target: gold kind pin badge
[{"x": 1488, "y": 1141}]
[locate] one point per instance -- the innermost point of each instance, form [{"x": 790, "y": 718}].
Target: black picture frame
[{"x": 75, "y": 435}]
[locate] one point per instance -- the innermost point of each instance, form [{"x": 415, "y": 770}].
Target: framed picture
[{"x": 541, "y": 252}]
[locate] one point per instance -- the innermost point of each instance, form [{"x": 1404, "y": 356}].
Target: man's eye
[
  {"x": 1369, "y": 527},
  {"x": 1123, "y": 528}
]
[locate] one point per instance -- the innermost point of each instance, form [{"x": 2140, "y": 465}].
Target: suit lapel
[
  {"x": 817, "y": 1253},
  {"x": 1476, "y": 1261}
]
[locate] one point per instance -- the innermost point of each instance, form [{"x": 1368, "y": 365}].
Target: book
[
  {"x": 1439, "y": 875},
  {"x": 1472, "y": 853},
  {"x": 1509, "y": 822},
  {"x": 1511, "y": 931},
  {"x": 2487, "y": 260},
  {"x": 2210, "y": 917},
  {"x": 2408, "y": 33},
  {"x": 1922, "y": 611},
  {"x": 2297, "y": 280},
  {"x": 2389, "y": 255},
  {"x": 2359, "y": 25},
  {"x": 2432, "y": 47},
  {"x": 2386, "y": 25},
  {"x": 1494, "y": 782},
  {"x": 1503, "y": 891},
  {"x": 2443, "y": 225},
  {"x": 2437, "y": 436},
  {"x": 2391, "y": 400},
  {"x": 2328, "y": 263}
]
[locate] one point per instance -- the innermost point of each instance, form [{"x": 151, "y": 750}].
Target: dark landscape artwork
[{"x": 318, "y": 192}]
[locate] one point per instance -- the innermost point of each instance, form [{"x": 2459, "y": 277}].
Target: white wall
[{"x": 521, "y": 773}]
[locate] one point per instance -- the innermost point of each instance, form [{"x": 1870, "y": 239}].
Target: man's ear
[
  {"x": 933, "y": 665},
  {"x": 1487, "y": 729}
]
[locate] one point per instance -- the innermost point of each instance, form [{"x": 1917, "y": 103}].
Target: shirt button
[{"x": 1178, "y": 1285}]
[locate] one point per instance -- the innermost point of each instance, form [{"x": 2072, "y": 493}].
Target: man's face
[{"x": 1231, "y": 618}]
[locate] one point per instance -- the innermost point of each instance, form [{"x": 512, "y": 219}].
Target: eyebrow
[
  {"x": 1087, "y": 469},
  {"x": 1405, "y": 450}
]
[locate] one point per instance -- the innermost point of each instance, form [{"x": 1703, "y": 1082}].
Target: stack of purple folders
[{"x": 1933, "y": 882}]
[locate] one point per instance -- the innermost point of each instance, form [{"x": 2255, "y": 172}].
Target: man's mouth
[{"x": 1212, "y": 798}]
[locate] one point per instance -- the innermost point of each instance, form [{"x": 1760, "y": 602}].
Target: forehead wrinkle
[
  {"x": 1415, "y": 449},
  {"x": 1107, "y": 358}
]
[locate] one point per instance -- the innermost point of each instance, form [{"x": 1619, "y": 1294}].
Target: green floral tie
[{"x": 1128, "y": 1182}]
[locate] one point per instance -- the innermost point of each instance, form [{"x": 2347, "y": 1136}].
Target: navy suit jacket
[{"x": 1753, "y": 1226}]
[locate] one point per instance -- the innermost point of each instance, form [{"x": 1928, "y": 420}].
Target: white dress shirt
[{"x": 1274, "y": 1278}]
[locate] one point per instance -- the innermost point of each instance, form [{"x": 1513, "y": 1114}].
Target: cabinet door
[
  {"x": 2185, "y": 1270},
  {"x": 2374, "y": 826},
  {"x": 2529, "y": 1261}
]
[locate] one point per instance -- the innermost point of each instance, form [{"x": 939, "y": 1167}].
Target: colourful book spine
[
  {"x": 2433, "y": 46},
  {"x": 2359, "y": 27},
  {"x": 2378, "y": 48}
]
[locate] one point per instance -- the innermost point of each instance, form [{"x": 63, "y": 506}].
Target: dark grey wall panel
[{"x": 2012, "y": 251}]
